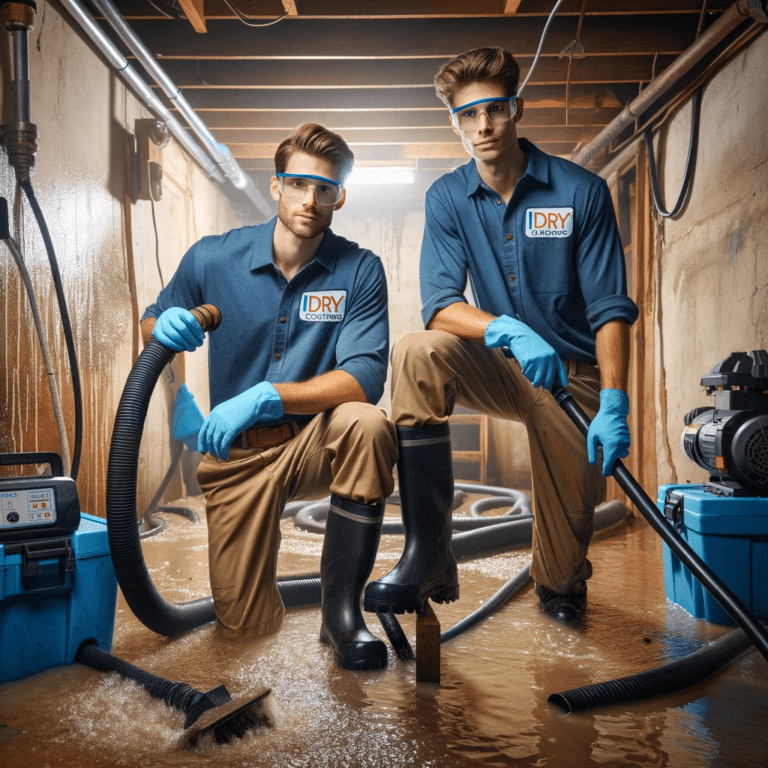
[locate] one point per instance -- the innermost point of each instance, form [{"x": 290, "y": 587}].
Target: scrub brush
[{"x": 213, "y": 713}]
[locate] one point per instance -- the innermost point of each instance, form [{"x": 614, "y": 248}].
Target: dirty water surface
[{"x": 490, "y": 708}]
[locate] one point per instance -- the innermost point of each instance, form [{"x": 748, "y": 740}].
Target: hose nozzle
[{"x": 208, "y": 316}]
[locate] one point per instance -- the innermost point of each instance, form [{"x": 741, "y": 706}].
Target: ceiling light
[{"x": 381, "y": 174}]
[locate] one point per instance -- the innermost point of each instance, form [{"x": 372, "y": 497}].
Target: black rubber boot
[
  {"x": 427, "y": 568},
  {"x": 352, "y": 535},
  {"x": 566, "y": 608}
]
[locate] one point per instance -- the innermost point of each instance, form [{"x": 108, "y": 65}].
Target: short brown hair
[
  {"x": 472, "y": 66},
  {"x": 316, "y": 140}
]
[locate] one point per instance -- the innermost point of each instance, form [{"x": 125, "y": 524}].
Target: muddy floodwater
[{"x": 490, "y": 708}]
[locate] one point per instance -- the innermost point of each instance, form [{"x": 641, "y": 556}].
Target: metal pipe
[
  {"x": 121, "y": 65},
  {"x": 219, "y": 152},
  {"x": 21, "y": 97},
  {"x": 21, "y": 132},
  {"x": 721, "y": 28}
]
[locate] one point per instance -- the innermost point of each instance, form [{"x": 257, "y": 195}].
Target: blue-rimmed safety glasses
[
  {"x": 498, "y": 110},
  {"x": 296, "y": 185}
]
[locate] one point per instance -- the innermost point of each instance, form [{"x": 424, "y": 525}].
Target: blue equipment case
[
  {"x": 730, "y": 534},
  {"x": 54, "y": 595}
]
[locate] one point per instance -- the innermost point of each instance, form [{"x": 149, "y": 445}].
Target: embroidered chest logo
[
  {"x": 323, "y": 306},
  {"x": 549, "y": 222}
]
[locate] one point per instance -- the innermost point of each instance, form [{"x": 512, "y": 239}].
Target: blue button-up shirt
[
  {"x": 331, "y": 316},
  {"x": 552, "y": 257}
]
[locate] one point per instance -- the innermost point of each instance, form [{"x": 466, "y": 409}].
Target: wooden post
[{"x": 427, "y": 646}]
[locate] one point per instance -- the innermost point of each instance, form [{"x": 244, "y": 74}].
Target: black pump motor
[{"x": 730, "y": 440}]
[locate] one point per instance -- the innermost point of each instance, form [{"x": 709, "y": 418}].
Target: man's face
[
  {"x": 303, "y": 215},
  {"x": 489, "y": 142}
]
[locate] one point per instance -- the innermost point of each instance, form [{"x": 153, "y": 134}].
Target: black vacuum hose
[
  {"x": 501, "y": 598},
  {"x": 483, "y": 542},
  {"x": 711, "y": 582},
  {"x": 670, "y": 678},
  {"x": 66, "y": 325},
  {"x": 122, "y": 516}
]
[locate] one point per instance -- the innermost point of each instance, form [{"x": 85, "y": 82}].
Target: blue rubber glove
[
  {"x": 541, "y": 365},
  {"x": 179, "y": 330},
  {"x": 256, "y": 405},
  {"x": 609, "y": 428},
  {"x": 186, "y": 419}
]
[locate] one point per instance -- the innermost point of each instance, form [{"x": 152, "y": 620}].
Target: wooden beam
[
  {"x": 394, "y": 73},
  {"x": 389, "y": 100},
  {"x": 193, "y": 10},
  {"x": 222, "y": 120},
  {"x": 511, "y": 6},
  {"x": 391, "y": 153},
  {"x": 412, "y": 38},
  {"x": 325, "y": 9},
  {"x": 402, "y": 136},
  {"x": 290, "y": 7}
]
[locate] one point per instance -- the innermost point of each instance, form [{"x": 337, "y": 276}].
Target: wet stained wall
[
  {"x": 113, "y": 252},
  {"x": 712, "y": 271},
  {"x": 708, "y": 274}
]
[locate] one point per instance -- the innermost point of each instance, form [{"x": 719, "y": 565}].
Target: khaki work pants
[
  {"x": 433, "y": 371},
  {"x": 349, "y": 450}
]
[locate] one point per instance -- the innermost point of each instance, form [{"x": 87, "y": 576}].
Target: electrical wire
[
  {"x": 690, "y": 162},
  {"x": 26, "y": 186},
  {"x": 569, "y": 49},
  {"x": 244, "y": 19},
  {"x": 538, "y": 51},
  {"x": 199, "y": 73},
  {"x": 693, "y": 142},
  {"x": 660, "y": 118},
  {"x": 44, "y": 347},
  {"x": 177, "y": 13}
]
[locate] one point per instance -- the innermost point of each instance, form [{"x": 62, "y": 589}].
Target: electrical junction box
[{"x": 730, "y": 534}]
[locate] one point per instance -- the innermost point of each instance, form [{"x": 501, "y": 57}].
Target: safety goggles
[
  {"x": 498, "y": 110},
  {"x": 295, "y": 186}
]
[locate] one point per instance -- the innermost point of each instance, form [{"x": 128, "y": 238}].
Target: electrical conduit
[
  {"x": 129, "y": 74},
  {"x": 220, "y": 153},
  {"x": 720, "y": 29}
]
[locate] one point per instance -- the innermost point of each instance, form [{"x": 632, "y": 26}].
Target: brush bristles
[{"x": 232, "y": 720}]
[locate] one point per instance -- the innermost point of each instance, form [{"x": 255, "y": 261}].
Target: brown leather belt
[
  {"x": 581, "y": 368},
  {"x": 269, "y": 437}
]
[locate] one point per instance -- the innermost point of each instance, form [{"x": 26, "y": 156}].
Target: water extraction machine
[{"x": 58, "y": 587}]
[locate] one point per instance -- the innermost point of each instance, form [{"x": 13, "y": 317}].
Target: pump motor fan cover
[{"x": 730, "y": 440}]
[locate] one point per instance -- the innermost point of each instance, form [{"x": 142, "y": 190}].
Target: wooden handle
[{"x": 208, "y": 316}]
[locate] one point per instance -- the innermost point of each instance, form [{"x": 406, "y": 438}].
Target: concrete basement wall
[
  {"x": 712, "y": 275},
  {"x": 390, "y": 221},
  {"x": 111, "y": 251}
]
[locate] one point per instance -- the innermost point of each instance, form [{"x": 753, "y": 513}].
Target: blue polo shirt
[
  {"x": 331, "y": 316},
  {"x": 552, "y": 257}
]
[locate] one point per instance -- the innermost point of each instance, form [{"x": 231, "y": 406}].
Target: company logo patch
[
  {"x": 549, "y": 222},
  {"x": 323, "y": 306}
]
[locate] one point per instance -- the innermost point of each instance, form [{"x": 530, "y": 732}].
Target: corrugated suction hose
[
  {"x": 669, "y": 678},
  {"x": 140, "y": 593}
]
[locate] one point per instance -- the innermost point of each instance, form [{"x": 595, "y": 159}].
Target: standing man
[
  {"x": 537, "y": 236},
  {"x": 295, "y": 368}
]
